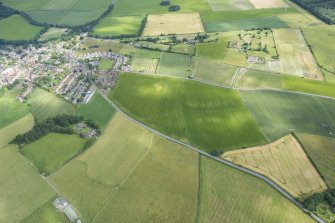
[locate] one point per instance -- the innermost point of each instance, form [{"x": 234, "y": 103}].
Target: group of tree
[
  {"x": 6, "y": 11},
  {"x": 174, "y": 8},
  {"x": 324, "y": 10},
  {"x": 326, "y": 197},
  {"x": 60, "y": 124},
  {"x": 165, "y": 3}
]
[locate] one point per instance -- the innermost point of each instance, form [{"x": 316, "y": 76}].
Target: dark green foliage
[
  {"x": 144, "y": 22},
  {"x": 174, "y": 8},
  {"x": 327, "y": 197},
  {"x": 6, "y": 11},
  {"x": 164, "y": 3}
]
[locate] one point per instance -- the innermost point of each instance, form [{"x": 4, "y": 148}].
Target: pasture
[
  {"x": 174, "y": 64},
  {"x": 258, "y": 79},
  {"x": 179, "y": 23},
  {"x": 279, "y": 113},
  {"x": 283, "y": 161},
  {"x": 228, "y": 195},
  {"x": 230, "y": 5},
  {"x": 146, "y": 65},
  {"x": 40, "y": 106},
  {"x": 16, "y": 27},
  {"x": 235, "y": 57},
  {"x": 107, "y": 176},
  {"x": 211, "y": 118},
  {"x": 52, "y": 151},
  {"x": 97, "y": 109},
  {"x": 260, "y": 4},
  {"x": 117, "y": 26},
  {"x": 211, "y": 71},
  {"x": 213, "y": 50},
  {"x": 53, "y": 33},
  {"x": 320, "y": 150},
  {"x": 22, "y": 190},
  {"x": 183, "y": 49},
  {"x": 20, "y": 126},
  {"x": 92, "y": 45},
  {"x": 294, "y": 55}
]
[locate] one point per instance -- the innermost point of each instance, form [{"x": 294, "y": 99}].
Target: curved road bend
[{"x": 255, "y": 174}]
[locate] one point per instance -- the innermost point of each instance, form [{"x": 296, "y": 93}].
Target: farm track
[{"x": 255, "y": 174}]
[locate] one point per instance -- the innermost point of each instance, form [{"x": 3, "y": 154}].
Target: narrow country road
[{"x": 255, "y": 174}]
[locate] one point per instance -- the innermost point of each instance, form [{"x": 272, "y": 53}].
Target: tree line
[{"x": 326, "y": 197}]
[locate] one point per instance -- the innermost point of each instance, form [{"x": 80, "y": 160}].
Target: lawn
[
  {"x": 16, "y": 27},
  {"x": 283, "y": 161},
  {"x": 10, "y": 109},
  {"x": 213, "y": 50},
  {"x": 97, "y": 109},
  {"x": 321, "y": 150},
  {"x": 211, "y": 118},
  {"x": 53, "y": 150},
  {"x": 20, "y": 126},
  {"x": 228, "y": 195},
  {"x": 279, "y": 113},
  {"x": 179, "y": 23},
  {"x": 259, "y": 79},
  {"x": 174, "y": 64},
  {"x": 117, "y": 26},
  {"x": 22, "y": 190},
  {"x": 45, "y": 105},
  {"x": 107, "y": 177},
  {"x": 211, "y": 71}
]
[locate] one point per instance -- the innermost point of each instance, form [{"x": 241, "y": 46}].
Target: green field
[
  {"x": 278, "y": 113},
  {"x": 235, "y": 57},
  {"x": 117, "y": 26},
  {"x": 10, "y": 109},
  {"x": 16, "y": 27},
  {"x": 93, "y": 45},
  {"x": 321, "y": 150},
  {"x": 53, "y": 150},
  {"x": 211, "y": 118},
  {"x": 230, "y": 5},
  {"x": 97, "y": 109},
  {"x": 53, "y": 33},
  {"x": 258, "y": 79},
  {"x": 183, "y": 49},
  {"x": 212, "y": 71},
  {"x": 227, "y": 195},
  {"x": 22, "y": 190},
  {"x": 174, "y": 64},
  {"x": 46, "y": 213},
  {"x": 107, "y": 177},
  {"x": 106, "y": 65},
  {"x": 213, "y": 50},
  {"x": 20, "y": 126},
  {"x": 45, "y": 105}
]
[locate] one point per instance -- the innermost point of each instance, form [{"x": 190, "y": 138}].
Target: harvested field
[
  {"x": 261, "y": 4},
  {"x": 179, "y": 23},
  {"x": 228, "y": 195},
  {"x": 283, "y": 161},
  {"x": 146, "y": 65},
  {"x": 229, "y": 5}
]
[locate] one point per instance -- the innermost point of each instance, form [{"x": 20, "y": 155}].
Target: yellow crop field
[
  {"x": 179, "y": 23},
  {"x": 261, "y": 4},
  {"x": 283, "y": 161}
]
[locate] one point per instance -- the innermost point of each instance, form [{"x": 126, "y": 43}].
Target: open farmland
[
  {"x": 97, "y": 109},
  {"x": 16, "y": 27},
  {"x": 183, "y": 49},
  {"x": 41, "y": 108},
  {"x": 53, "y": 33},
  {"x": 213, "y": 50},
  {"x": 107, "y": 177},
  {"x": 91, "y": 45},
  {"x": 53, "y": 150},
  {"x": 321, "y": 151},
  {"x": 179, "y": 23},
  {"x": 279, "y": 113},
  {"x": 174, "y": 64},
  {"x": 294, "y": 55},
  {"x": 285, "y": 162},
  {"x": 22, "y": 190},
  {"x": 215, "y": 72},
  {"x": 260, "y": 4},
  {"x": 211, "y": 118},
  {"x": 230, "y": 5},
  {"x": 228, "y": 195},
  {"x": 20, "y": 126},
  {"x": 258, "y": 79},
  {"x": 117, "y": 26}
]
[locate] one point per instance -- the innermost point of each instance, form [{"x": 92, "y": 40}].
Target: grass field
[
  {"x": 230, "y": 5},
  {"x": 93, "y": 45},
  {"x": 117, "y": 26},
  {"x": 235, "y": 57},
  {"x": 107, "y": 177},
  {"x": 227, "y": 195},
  {"x": 20, "y": 126},
  {"x": 45, "y": 105},
  {"x": 260, "y": 4},
  {"x": 46, "y": 213},
  {"x": 211, "y": 71},
  {"x": 294, "y": 55},
  {"x": 213, "y": 50},
  {"x": 183, "y": 49},
  {"x": 173, "y": 64},
  {"x": 321, "y": 150},
  {"x": 22, "y": 190},
  {"x": 53, "y": 150},
  {"x": 283, "y": 161},
  {"x": 97, "y": 109},
  {"x": 10, "y": 109},
  {"x": 179, "y": 23},
  {"x": 16, "y": 27},
  {"x": 208, "y": 117},
  {"x": 52, "y": 33},
  {"x": 319, "y": 38},
  {"x": 258, "y": 79},
  {"x": 279, "y": 113},
  {"x": 106, "y": 65}
]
